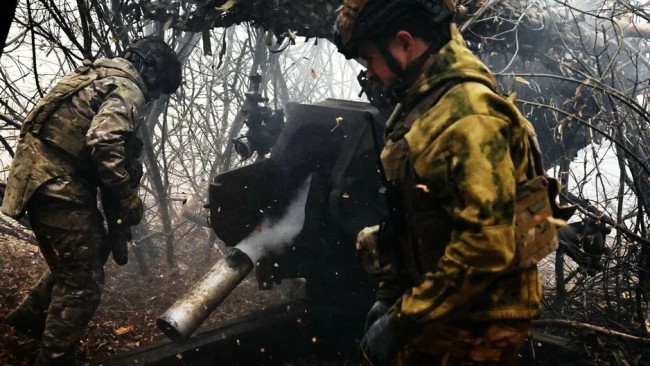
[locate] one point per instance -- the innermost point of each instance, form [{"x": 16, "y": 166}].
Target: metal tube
[{"x": 181, "y": 319}]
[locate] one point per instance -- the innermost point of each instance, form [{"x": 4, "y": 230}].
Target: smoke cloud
[{"x": 276, "y": 236}]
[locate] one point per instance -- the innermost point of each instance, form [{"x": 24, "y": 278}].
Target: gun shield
[{"x": 184, "y": 317}]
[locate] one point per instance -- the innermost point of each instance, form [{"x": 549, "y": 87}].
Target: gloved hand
[
  {"x": 135, "y": 170},
  {"x": 131, "y": 210},
  {"x": 378, "y": 309},
  {"x": 382, "y": 342}
]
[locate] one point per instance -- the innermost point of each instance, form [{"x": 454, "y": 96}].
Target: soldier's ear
[{"x": 405, "y": 40}]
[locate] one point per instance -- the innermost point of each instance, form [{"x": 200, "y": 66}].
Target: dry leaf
[
  {"x": 423, "y": 187},
  {"x": 168, "y": 23},
  {"x": 578, "y": 90},
  {"x": 123, "y": 330},
  {"x": 292, "y": 35},
  {"x": 522, "y": 80},
  {"x": 227, "y": 5},
  {"x": 556, "y": 222},
  {"x": 338, "y": 122}
]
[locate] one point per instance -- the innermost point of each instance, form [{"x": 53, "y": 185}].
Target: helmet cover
[
  {"x": 158, "y": 54},
  {"x": 361, "y": 20}
]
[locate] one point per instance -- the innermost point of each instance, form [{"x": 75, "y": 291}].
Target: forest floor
[
  {"x": 131, "y": 303},
  {"x": 126, "y": 318}
]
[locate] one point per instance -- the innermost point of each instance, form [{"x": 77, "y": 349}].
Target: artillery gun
[
  {"x": 328, "y": 154},
  {"x": 332, "y": 147}
]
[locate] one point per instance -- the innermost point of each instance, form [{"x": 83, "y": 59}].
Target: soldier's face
[
  {"x": 376, "y": 67},
  {"x": 151, "y": 78},
  {"x": 404, "y": 49},
  {"x": 153, "y": 93}
]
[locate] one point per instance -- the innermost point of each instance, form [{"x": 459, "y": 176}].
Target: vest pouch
[
  {"x": 535, "y": 228},
  {"x": 66, "y": 133},
  {"x": 67, "y": 130}
]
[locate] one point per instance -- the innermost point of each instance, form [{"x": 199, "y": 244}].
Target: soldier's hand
[
  {"x": 131, "y": 210},
  {"x": 381, "y": 342},
  {"x": 135, "y": 170},
  {"x": 378, "y": 309},
  {"x": 367, "y": 250}
]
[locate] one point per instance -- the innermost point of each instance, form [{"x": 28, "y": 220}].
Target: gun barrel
[{"x": 181, "y": 319}]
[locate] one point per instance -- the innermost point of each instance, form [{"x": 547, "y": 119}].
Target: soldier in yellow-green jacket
[
  {"x": 473, "y": 209},
  {"x": 80, "y": 140}
]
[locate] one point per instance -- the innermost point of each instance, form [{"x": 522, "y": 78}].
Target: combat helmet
[
  {"x": 361, "y": 20},
  {"x": 155, "y": 52}
]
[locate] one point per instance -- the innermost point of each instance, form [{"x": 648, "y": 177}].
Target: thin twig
[{"x": 580, "y": 325}]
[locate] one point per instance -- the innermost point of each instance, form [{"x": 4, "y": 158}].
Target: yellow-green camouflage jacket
[
  {"x": 76, "y": 138},
  {"x": 457, "y": 160}
]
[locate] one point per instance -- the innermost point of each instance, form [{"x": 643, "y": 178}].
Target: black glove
[
  {"x": 382, "y": 341},
  {"x": 119, "y": 231},
  {"x": 378, "y": 309},
  {"x": 118, "y": 240},
  {"x": 131, "y": 210}
]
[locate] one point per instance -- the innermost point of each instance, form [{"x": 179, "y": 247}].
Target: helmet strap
[
  {"x": 413, "y": 69},
  {"x": 405, "y": 76},
  {"x": 383, "y": 45}
]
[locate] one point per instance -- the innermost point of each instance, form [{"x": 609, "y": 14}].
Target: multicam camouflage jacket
[
  {"x": 457, "y": 162},
  {"x": 79, "y": 130}
]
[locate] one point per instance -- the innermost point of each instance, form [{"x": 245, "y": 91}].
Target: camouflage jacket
[
  {"x": 77, "y": 137},
  {"x": 456, "y": 162}
]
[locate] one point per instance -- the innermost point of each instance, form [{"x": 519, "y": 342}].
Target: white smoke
[{"x": 275, "y": 236}]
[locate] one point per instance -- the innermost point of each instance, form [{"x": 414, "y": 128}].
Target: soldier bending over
[{"x": 80, "y": 138}]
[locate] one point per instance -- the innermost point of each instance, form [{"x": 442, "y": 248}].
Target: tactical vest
[
  {"x": 537, "y": 214},
  {"x": 69, "y": 136},
  {"x": 48, "y": 148}
]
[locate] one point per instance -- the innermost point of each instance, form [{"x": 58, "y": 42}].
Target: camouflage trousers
[
  {"x": 472, "y": 343},
  {"x": 70, "y": 291}
]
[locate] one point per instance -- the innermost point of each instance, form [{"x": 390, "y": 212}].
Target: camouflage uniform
[
  {"x": 457, "y": 155},
  {"x": 75, "y": 141}
]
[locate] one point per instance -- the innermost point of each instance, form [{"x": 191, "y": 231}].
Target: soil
[{"x": 130, "y": 303}]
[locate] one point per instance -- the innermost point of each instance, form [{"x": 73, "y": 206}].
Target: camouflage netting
[
  {"x": 315, "y": 18},
  {"x": 511, "y": 36},
  {"x": 283, "y": 17},
  {"x": 504, "y": 24}
]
